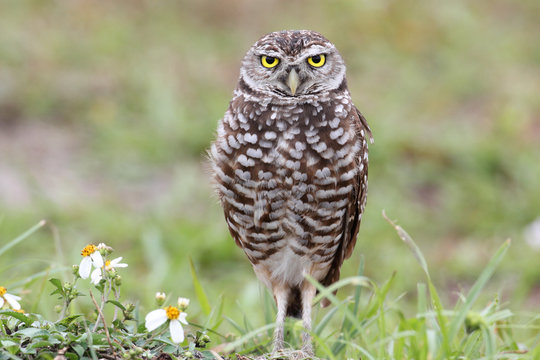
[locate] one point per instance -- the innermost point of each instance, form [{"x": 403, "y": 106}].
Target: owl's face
[{"x": 292, "y": 64}]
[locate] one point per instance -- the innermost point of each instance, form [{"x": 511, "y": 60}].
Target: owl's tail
[{"x": 294, "y": 303}]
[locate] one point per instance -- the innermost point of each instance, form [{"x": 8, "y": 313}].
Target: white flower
[
  {"x": 158, "y": 317},
  {"x": 183, "y": 303},
  {"x": 12, "y": 300},
  {"x": 109, "y": 265},
  {"x": 90, "y": 257}
]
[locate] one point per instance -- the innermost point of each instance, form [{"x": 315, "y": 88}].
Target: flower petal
[
  {"x": 116, "y": 263},
  {"x": 96, "y": 276},
  {"x": 182, "y": 318},
  {"x": 12, "y": 300},
  {"x": 85, "y": 267},
  {"x": 155, "y": 319},
  {"x": 97, "y": 259},
  {"x": 1, "y": 302},
  {"x": 177, "y": 333}
]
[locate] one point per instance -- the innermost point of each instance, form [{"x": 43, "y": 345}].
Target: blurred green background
[{"x": 107, "y": 109}]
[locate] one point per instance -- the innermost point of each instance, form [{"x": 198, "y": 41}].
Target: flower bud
[
  {"x": 104, "y": 249},
  {"x": 183, "y": 303},
  {"x": 117, "y": 280},
  {"x": 75, "y": 271},
  {"x": 160, "y": 298},
  {"x": 67, "y": 286}
]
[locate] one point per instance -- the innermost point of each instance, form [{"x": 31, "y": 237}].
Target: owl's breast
[{"x": 286, "y": 179}]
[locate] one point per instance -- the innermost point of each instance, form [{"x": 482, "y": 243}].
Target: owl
[{"x": 289, "y": 165}]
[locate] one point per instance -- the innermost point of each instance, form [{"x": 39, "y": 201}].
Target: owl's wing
[
  {"x": 352, "y": 217},
  {"x": 364, "y": 124}
]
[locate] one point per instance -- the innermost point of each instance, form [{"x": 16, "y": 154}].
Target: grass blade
[
  {"x": 407, "y": 239},
  {"x": 489, "y": 342},
  {"x": 22, "y": 237},
  {"x": 199, "y": 291},
  {"x": 323, "y": 346},
  {"x": 435, "y": 299},
  {"x": 325, "y": 292},
  {"x": 247, "y": 337},
  {"x": 486, "y": 274},
  {"x": 326, "y": 319},
  {"x": 216, "y": 316},
  {"x": 328, "y": 293}
]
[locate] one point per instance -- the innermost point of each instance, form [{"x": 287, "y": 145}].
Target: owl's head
[{"x": 293, "y": 63}]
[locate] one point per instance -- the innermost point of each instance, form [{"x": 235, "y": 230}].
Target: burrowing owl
[{"x": 290, "y": 167}]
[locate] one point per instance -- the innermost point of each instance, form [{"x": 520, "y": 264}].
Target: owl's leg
[
  {"x": 308, "y": 293},
  {"x": 281, "y": 296}
]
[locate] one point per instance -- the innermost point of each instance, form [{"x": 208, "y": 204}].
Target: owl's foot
[{"x": 288, "y": 354}]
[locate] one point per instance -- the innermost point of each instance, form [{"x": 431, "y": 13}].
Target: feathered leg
[
  {"x": 308, "y": 293},
  {"x": 281, "y": 296}
]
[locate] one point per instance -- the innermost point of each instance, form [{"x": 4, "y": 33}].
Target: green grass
[{"x": 370, "y": 323}]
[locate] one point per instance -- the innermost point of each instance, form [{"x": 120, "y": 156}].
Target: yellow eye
[
  {"x": 268, "y": 61},
  {"x": 317, "y": 60}
]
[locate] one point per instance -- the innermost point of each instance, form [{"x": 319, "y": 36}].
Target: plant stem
[{"x": 100, "y": 313}]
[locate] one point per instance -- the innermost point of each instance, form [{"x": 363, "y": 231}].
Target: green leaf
[
  {"x": 78, "y": 349},
  {"x": 68, "y": 320},
  {"x": 33, "y": 332},
  {"x": 117, "y": 304},
  {"x": 58, "y": 285},
  {"x": 27, "y": 320},
  {"x": 40, "y": 344},
  {"x": 72, "y": 356},
  {"x": 10, "y": 346},
  {"x": 199, "y": 291}
]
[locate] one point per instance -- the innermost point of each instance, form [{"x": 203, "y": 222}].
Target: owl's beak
[{"x": 292, "y": 81}]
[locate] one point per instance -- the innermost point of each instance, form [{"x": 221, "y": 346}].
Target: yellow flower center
[
  {"x": 88, "y": 249},
  {"x": 2, "y": 291},
  {"x": 172, "y": 312},
  {"x": 19, "y": 311},
  {"x": 108, "y": 265}
]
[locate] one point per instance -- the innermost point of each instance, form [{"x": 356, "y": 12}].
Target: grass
[{"x": 370, "y": 323}]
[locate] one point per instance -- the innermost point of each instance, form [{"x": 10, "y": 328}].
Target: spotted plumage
[{"x": 290, "y": 167}]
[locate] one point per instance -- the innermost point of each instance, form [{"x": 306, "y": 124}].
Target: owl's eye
[
  {"x": 317, "y": 60},
  {"x": 269, "y": 61}
]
